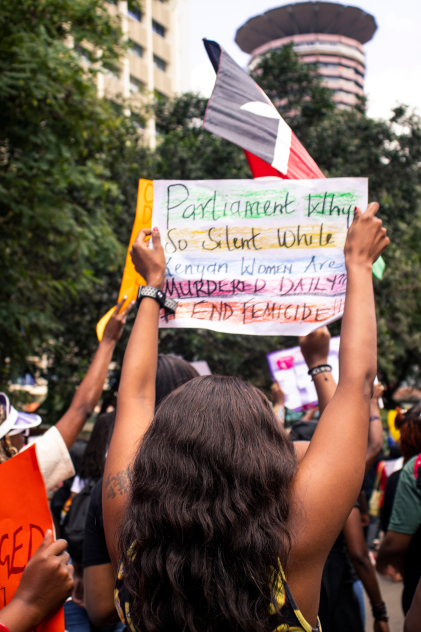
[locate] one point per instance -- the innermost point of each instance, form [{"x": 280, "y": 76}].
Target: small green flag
[{"x": 379, "y": 267}]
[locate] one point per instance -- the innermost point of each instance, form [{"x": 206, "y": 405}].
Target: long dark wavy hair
[{"x": 206, "y": 524}]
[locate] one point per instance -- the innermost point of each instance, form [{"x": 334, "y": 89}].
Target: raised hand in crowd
[
  {"x": 46, "y": 583},
  {"x": 90, "y": 390}
]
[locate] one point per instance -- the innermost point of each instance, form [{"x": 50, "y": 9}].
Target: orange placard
[
  {"x": 131, "y": 280},
  {"x": 24, "y": 519}
]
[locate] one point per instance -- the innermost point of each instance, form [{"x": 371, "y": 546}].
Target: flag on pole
[{"x": 240, "y": 112}]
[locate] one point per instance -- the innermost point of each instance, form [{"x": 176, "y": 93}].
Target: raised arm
[
  {"x": 90, "y": 390},
  {"x": 330, "y": 476},
  {"x": 136, "y": 395}
]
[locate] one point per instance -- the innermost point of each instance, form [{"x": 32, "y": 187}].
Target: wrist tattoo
[{"x": 118, "y": 484}]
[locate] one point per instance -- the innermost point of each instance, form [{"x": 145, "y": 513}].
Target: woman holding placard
[{"x": 206, "y": 512}]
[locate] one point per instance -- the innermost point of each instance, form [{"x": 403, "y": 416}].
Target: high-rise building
[
  {"x": 158, "y": 59},
  {"x": 327, "y": 34}
]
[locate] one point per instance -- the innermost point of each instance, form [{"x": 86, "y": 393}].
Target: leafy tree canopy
[{"x": 61, "y": 187}]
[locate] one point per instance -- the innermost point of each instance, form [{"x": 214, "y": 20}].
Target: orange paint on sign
[
  {"x": 131, "y": 279},
  {"x": 25, "y": 517}
]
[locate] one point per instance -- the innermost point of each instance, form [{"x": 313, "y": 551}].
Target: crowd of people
[{"x": 193, "y": 508}]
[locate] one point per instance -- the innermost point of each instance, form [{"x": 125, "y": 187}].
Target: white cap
[{"x": 15, "y": 421}]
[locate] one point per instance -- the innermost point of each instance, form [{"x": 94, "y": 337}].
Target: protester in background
[
  {"x": 303, "y": 430},
  {"x": 278, "y": 396},
  {"x": 409, "y": 426},
  {"x": 45, "y": 585},
  {"x": 218, "y": 509},
  {"x": 401, "y": 546},
  {"x": 98, "y": 573},
  {"x": 90, "y": 472},
  {"x": 53, "y": 446},
  {"x": 58, "y": 504}
]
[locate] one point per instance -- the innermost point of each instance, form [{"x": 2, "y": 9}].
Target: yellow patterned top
[{"x": 291, "y": 619}]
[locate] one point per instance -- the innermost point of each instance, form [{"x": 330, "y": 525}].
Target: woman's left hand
[{"x": 149, "y": 262}]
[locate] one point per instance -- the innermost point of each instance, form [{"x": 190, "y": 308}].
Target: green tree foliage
[
  {"x": 348, "y": 143},
  {"x": 63, "y": 193},
  {"x": 186, "y": 151}
]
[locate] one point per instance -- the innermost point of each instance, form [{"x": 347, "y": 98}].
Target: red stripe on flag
[
  {"x": 301, "y": 165},
  {"x": 260, "y": 168}
]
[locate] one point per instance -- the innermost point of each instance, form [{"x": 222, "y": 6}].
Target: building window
[
  {"x": 136, "y": 49},
  {"x": 83, "y": 54},
  {"x": 136, "y": 85},
  {"x": 138, "y": 121},
  {"x": 158, "y": 28},
  {"x": 114, "y": 72},
  {"x": 133, "y": 11},
  {"x": 160, "y": 97},
  {"x": 159, "y": 63}
]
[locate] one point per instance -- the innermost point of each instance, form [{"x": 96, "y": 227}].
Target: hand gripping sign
[
  {"x": 131, "y": 280},
  {"x": 24, "y": 519}
]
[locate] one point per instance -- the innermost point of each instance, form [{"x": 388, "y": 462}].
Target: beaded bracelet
[
  {"x": 379, "y": 612},
  {"x": 322, "y": 368}
]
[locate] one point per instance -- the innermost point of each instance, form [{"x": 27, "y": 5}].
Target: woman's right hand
[
  {"x": 149, "y": 262},
  {"x": 366, "y": 238},
  {"x": 47, "y": 580}
]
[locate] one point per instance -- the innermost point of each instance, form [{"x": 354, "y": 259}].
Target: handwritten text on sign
[{"x": 257, "y": 257}]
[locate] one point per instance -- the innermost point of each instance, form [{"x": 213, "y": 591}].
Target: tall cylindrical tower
[{"x": 327, "y": 34}]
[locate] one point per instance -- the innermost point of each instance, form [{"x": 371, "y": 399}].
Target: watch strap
[{"x": 169, "y": 304}]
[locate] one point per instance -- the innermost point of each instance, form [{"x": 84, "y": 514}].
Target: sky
[{"x": 393, "y": 56}]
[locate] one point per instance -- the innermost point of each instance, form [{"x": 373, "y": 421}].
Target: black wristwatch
[{"x": 169, "y": 304}]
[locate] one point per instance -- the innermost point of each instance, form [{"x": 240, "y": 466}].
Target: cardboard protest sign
[
  {"x": 24, "y": 519},
  {"x": 289, "y": 369},
  {"x": 256, "y": 257},
  {"x": 131, "y": 280}
]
